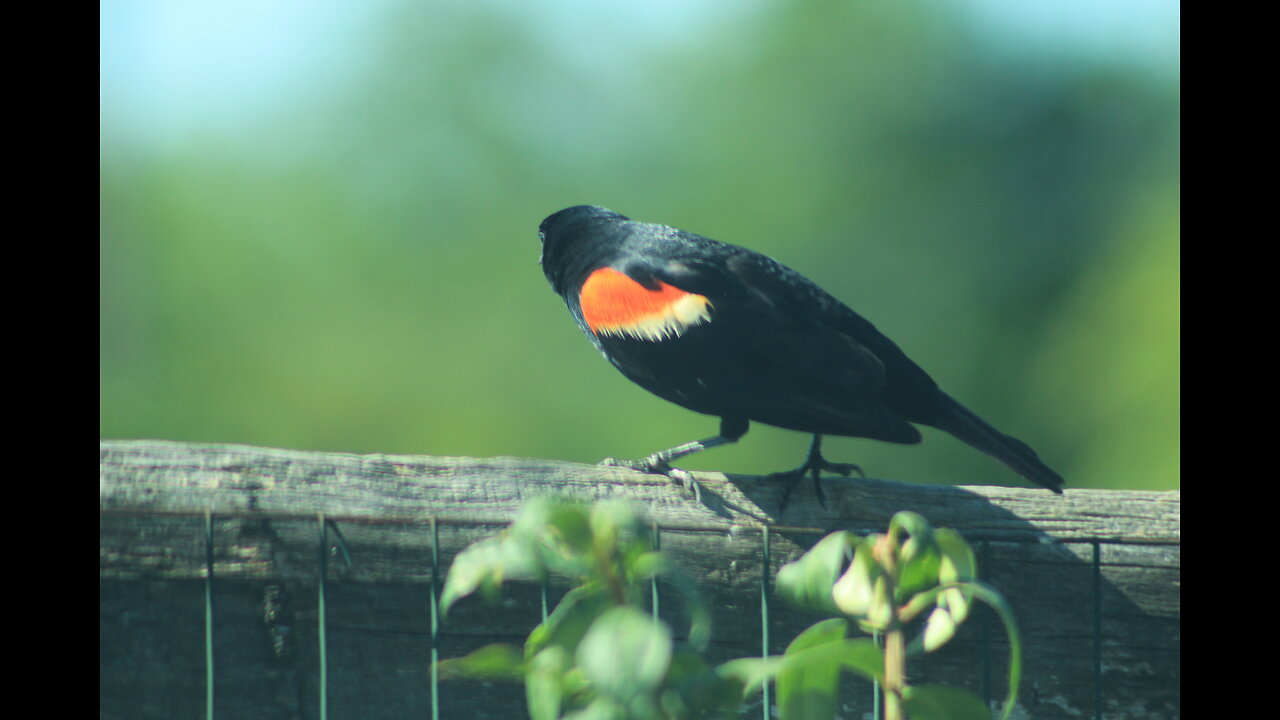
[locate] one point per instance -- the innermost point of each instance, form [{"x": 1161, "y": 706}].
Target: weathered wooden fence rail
[{"x": 1093, "y": 576}]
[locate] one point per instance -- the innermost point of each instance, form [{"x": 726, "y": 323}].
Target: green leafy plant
[
  {"x": 599, "y": 654},
  {"x": 912, "y": 577}
]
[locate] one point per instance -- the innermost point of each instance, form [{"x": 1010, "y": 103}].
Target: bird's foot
[
  {"x": 656, "y": 465},
  {"x": 813, "y": 466}
]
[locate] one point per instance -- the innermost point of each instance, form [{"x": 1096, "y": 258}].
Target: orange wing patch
[{"x": 614, "y": 304}]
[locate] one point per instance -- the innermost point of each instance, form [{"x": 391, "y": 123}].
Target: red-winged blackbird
[{"x": 725, "y": 331}]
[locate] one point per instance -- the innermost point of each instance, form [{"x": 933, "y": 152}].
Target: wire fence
[{"x": 330, "y": 543}]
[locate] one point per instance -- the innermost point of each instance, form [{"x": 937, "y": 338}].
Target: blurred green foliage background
[{"x": 318, "y": 224}]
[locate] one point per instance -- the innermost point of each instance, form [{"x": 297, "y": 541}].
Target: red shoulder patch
[{"x": 614, "y": 304}]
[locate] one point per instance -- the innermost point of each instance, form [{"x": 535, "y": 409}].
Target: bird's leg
[
  {"x": 659, "y": 463},
  {"x": 813, "y": 465}
]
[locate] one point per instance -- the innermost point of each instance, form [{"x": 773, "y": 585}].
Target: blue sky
[{"x": 167, "y": 68}]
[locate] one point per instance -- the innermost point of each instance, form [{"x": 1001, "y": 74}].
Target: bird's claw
[
  {"x": 643, "y": 465},
  {"x": 659, "y": 467},
  {"x": 845, "y": 469},
  {"x": 814, "y": 467}
]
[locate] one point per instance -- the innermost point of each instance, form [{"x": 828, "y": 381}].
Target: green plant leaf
[
  {"x": 938, "y": 630},
  {"x": 751, "y": 673},
  {"x": 483, "y": 566},
  {"x": 962, "y": 565},
  {"x": 491, "y": 662},
  {"x": 807, "y": 582},
  {"x": 919, "y": 530},
  {"x": 918, "y": 569},
  {"x": 558, "y": 532},
  {"x": 862, "y": 591},
  {"x": 912, "y": 522},
  {"x": 549, "y": 534},
  {"x": 570, "y": 523},
  {"x": 625, "y": 653},
  {"x": 809, "y": 690},
  {"x": 544, "y": 682},
  {"x": 693, "y": 689},
  {"x": 996, "y": 601},
  {"x": 940, "y": 702},
  {"x": 650, "y": 564},
  {"x": 609, "y": 521},
  {"x": 958, "y": 565},
  {"x": 808, "y": 679},
  {"x": 861, "y": 655},
  {"x": 569, "y": 621},
  {"x": 949, "y": 592},
  {"x": 695, "y": 604},
  {"x": 600, "y": 708}
]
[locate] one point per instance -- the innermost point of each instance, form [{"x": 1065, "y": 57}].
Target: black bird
[{"x": 726, "y": 331}]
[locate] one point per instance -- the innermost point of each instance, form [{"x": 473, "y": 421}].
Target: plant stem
[{"x": 895, "y": 673}]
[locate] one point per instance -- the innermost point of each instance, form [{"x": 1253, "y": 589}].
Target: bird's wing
[
  {"x": 906, "y": 385},
  {"x": 779, "y": 300}
]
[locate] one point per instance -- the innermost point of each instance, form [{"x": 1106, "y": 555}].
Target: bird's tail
[{"x": 964, "y": 424}]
